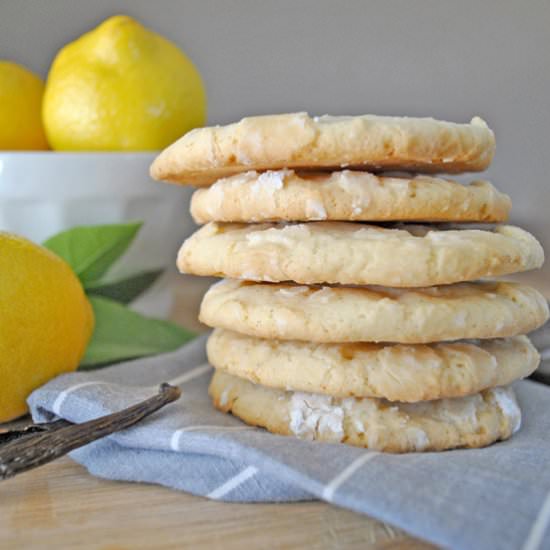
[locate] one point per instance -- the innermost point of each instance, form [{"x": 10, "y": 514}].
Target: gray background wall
[{"x": 445, "y": 59}]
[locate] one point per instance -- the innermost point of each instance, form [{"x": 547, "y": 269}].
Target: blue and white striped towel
[{"x": 498, "y": 497}]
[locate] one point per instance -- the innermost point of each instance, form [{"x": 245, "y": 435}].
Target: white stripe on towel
[
  {"x": 232, "y": 483},
  {"x": 346, "y": 473},
  {"x": 190, "y": 375},
  {"x": 175, "y": 439},
  {"x": 60, "y": 399},
  {"x": 539, "y": 527}
]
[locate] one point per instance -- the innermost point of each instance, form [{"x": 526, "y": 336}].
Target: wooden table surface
[{"x": 61, "y": 506}]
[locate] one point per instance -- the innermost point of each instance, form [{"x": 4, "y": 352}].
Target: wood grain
[{"x": 62, "y": 506}]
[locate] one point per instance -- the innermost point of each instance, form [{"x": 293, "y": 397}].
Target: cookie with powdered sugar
[
  {"x": 298, "y": 141},
  {"x": 374, "y": 314},
  {"x": 397, "y": 372},
  {"x": 352, "y": 253},
  {"x": 473, "y": 421},
  {"x": 285, "y": 195}
]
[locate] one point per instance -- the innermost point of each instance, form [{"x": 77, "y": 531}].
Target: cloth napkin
[{"x": 497, "y": 497}]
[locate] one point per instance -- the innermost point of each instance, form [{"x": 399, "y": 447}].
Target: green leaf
[
  {"x": 91, "y": 250},
  {"x": 124, "y": 290},
  {"x": 121, "y": 334}
]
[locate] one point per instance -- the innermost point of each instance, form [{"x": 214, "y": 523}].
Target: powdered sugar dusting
[
  {"x": 272, "y": 235},
  {"x": 451, "y": 410},
  {"x": 467, "y": 409},
  {"x": 216, "y": 195},
  {"x": 270, "y": 181},
  {"x": 507, "y": 403},
  {"x": 224, "y": 397},
  {"x": 418, "y": 437},
  {"x": 237, "y": 180},
  {"x": 348, "y": 405},
  {"x": 315, "y": 210},
  {"x": 311, "y": 414},
  {"x": 356, "y": 187},
  {"x": 296, "y": 231}
]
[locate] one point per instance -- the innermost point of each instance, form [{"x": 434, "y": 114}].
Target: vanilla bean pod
[
  {"x": 10, "y": 435},
  {"x": 29, "y": 449}
]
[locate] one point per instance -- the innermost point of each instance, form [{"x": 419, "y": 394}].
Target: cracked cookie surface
[
  {"x": 338, "y": 314},
  {"x": 298, "y": 141},
  {"x": 285, "y": 195},
  {"x": 406, "y": 255},
  {"x": 473, "y": 421},
  {"x": 396, "y": 372}
]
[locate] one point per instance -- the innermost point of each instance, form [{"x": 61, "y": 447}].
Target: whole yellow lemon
[
  {"x": 121, "y": 87},
  {"x": 20, "y": 108},
  {"x": 46, "y": 321}
]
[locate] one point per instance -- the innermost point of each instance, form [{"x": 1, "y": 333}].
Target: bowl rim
[
  {"x": 75, "y": 154},
  {"x": 51, "y": 176}
]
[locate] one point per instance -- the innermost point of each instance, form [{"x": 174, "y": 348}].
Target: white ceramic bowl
[{"x": 42, "y": 193}]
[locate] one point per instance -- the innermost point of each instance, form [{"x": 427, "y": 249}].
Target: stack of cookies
[{"x": 352, "y": 309}]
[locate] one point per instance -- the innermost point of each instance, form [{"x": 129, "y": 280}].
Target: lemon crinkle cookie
[
  {"x": 285, "y": 195},
  {"x": 352, "y": 253},
  {"x": 299, "y": 141},
  {"x": 374, "y": 314},
  {"x": 473, "y": 421},
  {"x": 397, "y": 372}
]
